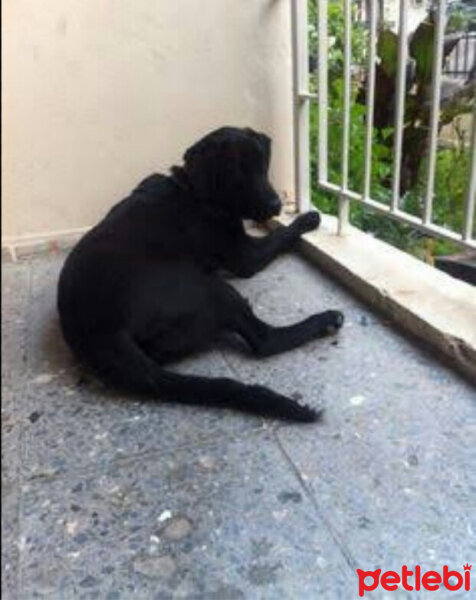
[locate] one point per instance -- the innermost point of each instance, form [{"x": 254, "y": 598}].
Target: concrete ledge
[{"x": 427, "y": 303}]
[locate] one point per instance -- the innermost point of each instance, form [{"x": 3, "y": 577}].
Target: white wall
[
  {"x": 417, "y": 11},
  {"x": 97, "y": 94}
]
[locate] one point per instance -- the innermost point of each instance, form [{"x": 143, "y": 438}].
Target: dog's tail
[{"x": 120, "y": 362}]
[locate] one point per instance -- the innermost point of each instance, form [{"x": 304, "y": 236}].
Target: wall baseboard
[{"x": 15, "y": 248}]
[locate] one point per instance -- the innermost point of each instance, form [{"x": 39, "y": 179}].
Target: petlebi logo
[{"x": 414, "y": 580}]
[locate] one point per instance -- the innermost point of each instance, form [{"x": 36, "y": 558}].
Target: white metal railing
[{"x": 303, "y": 97}]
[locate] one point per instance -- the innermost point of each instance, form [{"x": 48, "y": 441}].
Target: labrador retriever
[{"x": 143, "y": 287}]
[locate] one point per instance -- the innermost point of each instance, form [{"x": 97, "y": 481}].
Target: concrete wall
[{"x": 97, "y": 95}]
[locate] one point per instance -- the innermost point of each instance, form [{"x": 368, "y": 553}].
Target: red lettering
[
  {"x": 390, "y": 581},
  {"x": 405, "y": 575},
  {"x": 431, "y": 580},
  {"x": 467, "y": 582},
  {"x": 446, "y": 579},
  {"x": 363, "y": 587}
]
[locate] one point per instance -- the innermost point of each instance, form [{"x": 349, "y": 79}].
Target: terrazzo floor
[{"x": 106, "y": 497}]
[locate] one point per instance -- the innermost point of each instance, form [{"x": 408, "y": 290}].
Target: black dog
[{"x": 142, "y": 288}]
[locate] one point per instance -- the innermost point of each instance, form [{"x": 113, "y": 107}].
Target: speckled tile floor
[{"x": 105, "y": 497}]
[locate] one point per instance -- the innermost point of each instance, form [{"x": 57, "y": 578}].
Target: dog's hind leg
[
  {"x": 265, "y": 339},
  {"x": 120, "y": 362}
]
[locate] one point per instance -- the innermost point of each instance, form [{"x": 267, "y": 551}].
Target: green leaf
[
  {"x": 421, "y": 49},
  {"x": 387, "y": 50},
  {"x": 386, "y": 132}
]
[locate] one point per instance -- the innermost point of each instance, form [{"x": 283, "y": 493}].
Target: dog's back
[{"x": 106, "y": 262}]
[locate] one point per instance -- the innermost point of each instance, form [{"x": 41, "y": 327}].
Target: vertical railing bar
[
  {"x": 471, "y": 193},
  {"x": 456, "y": 60},
  {"x": 295, "y": 84},
  {"x": 322, "y": 88},
  {"x": 435, "y": 110},
  {"x": 344, "y": 202},
  {"x": 346, "y": 99},
  {"x": 301, "y": 105},
  {"x": 466, "y": 52},
  {"x": 303, "y": 72},
  {"x": 370, "y": 97},
  {"x": 400, "y": 105}
]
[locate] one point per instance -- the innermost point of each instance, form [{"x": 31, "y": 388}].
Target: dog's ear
[
  {"x": 264, "y": 142},
  {"x": 207, "y": 144},
  {"x": 266, "y": 145},
  {"x": 213, "y": 166}
]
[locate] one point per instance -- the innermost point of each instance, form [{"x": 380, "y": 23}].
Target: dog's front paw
[
  {"x": 307, "y": 222},
  {"x": 335, "y": 320}
]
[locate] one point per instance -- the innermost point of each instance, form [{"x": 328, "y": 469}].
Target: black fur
[{"x": 142, "y": 287}]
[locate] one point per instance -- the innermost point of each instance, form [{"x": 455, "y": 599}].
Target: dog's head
[{"x": 228, "y": 170}]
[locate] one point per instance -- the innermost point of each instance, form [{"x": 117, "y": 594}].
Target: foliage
[
  {"x": 419, "y": 72},
  {"x": 336, "y": 37},
  {"x": 451, "y": 180},
  {"x": 462, "y": 17},
  {"x": 381, "y": 153},
  {"x": 452, "y": 166}
]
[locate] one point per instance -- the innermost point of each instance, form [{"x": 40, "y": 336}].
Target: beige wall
[{"x": 97, "y": 94}]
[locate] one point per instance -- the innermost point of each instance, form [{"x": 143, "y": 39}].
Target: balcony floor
[{"x": 106, "y": 497}]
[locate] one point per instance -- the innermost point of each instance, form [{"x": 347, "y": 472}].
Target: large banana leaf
[
  {"x": 387, "y": 50},
  {"x": 421, "y": 49}
]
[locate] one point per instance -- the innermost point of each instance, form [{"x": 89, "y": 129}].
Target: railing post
[
  {"x": 300, "y": 58},
  {"x": 370, "y": 99},
  {"x": 322, "y": 90},
  {"x": 435, "y": 111},
  {"x": 343, "y": 217},
  {"x": 400, "y": 108}
]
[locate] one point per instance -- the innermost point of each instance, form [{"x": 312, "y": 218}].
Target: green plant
[
  {"x": 456, "y": 99},
  {"x": 451, "y": 181},
  {"x": 336, "y": 37},
  {"x": 452, "y": 165},
  {"x": 381, "y": 154},
  {"x": 461, "y": 17}
]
